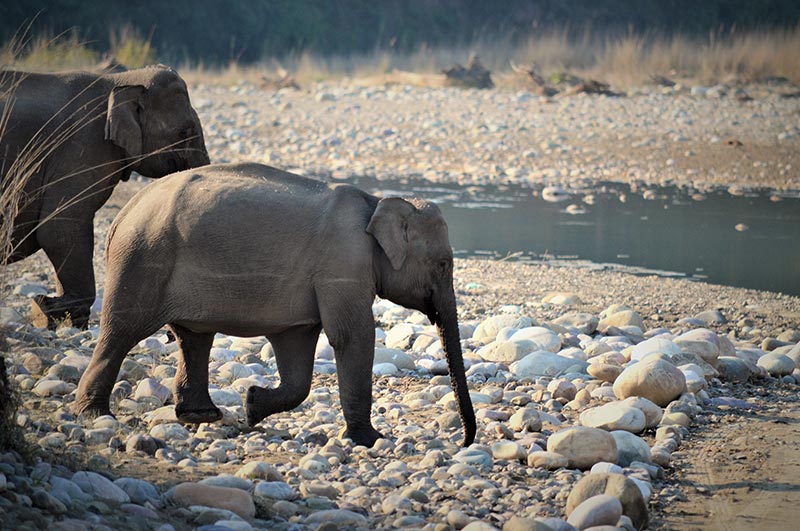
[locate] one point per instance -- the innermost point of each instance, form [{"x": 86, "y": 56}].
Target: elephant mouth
[{"x": 430, "y": 309}]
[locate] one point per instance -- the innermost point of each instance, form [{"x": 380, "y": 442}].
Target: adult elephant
[
  {"x": 251, "y": 250},
  {"x": 67, "y": 140}
]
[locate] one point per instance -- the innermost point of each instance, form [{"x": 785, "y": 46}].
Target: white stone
[{"x": 614, "y": 416}]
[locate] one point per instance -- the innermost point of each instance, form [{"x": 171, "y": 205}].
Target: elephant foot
[
  {"x": 87, "y": 409},
  {"x": 256, "y": 405},
  {"x": 198, "y": 416},
  {"x": 363, "y": 436},
  {"x": 51, "y": 312}
]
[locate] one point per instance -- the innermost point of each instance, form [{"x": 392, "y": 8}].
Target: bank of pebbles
[
  {"x": 543, "y": 344},
  {"x": 576, "y": 396},
  {"x": 697, "y": 137}
]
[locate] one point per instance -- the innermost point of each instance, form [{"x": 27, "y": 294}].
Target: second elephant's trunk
[{"x": 447, "y": 325}]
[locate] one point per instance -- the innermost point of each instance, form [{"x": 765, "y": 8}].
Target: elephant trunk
[{"x": 447, "y": 325}]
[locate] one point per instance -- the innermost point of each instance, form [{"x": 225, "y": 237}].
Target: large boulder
[
  {"x": 614, "y": 416},
  {"x": 486, "y": 332},
  {"x": 634, "y": 506},
  {"x": 543, "y": 363},
  {"x": 702, "y": 342},
  {"x": 654, "y": 379},
  {"x": 583, "y": 446},
  {"x": 654, "y": 345}
]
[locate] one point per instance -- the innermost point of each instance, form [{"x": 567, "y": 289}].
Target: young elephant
[
  {"x": 68, "y": 140},
  {"x": 251, "y": 250}
]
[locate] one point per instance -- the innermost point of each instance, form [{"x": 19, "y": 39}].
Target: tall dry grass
[{"x": 624, "y": 61}]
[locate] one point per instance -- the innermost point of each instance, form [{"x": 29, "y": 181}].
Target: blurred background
[{"x": 615, "y": 40}]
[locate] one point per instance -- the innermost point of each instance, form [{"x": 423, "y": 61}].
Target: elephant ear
[
  {"x": 389, "y": 225},
  {"x": 123, "y": 126}
]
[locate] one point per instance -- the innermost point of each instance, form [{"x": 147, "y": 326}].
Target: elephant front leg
[
  {"x": 69, "y": 246},
  {"x": 350, "y": 329},
  {"x": 294, "y": 355},
  {"x": 193, "y": 404}
]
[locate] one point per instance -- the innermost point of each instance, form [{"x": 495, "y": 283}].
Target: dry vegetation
[{"x": 723, "y": 56}]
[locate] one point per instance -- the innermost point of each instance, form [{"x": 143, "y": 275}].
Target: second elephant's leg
[
  {"x": 69, "y": 246},
  {"x": 192, "y": 402},
  {"x": 294, "y": 354}
]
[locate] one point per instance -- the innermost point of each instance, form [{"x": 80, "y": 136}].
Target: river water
[{"x": 750, "y": 240}]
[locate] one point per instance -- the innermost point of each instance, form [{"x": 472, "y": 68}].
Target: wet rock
[
  {"x": 652, "y": 378},
  {"x": 583, "y": 446}
]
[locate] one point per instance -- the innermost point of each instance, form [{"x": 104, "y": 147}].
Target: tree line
[{"x": 221, "y": 31}]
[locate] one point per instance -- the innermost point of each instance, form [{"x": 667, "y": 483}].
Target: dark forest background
[{"x": 221, "y": 31}]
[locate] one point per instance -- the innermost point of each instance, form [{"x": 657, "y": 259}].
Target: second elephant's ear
[
  {"x": 123, "y": 125},
  {"x": 389, "y": 225}
]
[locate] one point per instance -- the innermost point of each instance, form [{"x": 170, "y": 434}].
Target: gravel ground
[{"x": 544, "y": 344}]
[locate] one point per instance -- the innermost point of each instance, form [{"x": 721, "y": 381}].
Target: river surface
[{"x": 750, "y": 240}]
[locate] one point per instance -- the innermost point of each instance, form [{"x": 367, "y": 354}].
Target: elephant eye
[{"x": 443, "y": 266}]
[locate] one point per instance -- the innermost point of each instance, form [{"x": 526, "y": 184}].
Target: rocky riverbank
[
  {"x": 698, "y": 137},
  {"x": 588, "y": 384},
  {"x": 584, "y": 382}
]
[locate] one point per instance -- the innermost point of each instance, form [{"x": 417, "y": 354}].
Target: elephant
[
  {"x": 251, "y": 250},
  {"x": 68, "y": 139}
]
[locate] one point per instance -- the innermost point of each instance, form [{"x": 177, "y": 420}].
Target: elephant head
[
  {"x": 415, "y": 270},
  {"x": 150, "y": 118}
]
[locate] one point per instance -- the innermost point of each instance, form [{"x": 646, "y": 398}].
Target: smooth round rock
[
  {"x": 630, "y": 448},
  {"x": 614, "y": 416},
  {"x": 583, "y": 447},
  {"x": 602, "y": 509},
  {"x": 654, "y": 379},
  {"x": 616, "y": 485}
]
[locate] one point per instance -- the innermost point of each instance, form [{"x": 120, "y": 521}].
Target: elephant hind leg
[
  {"x": 192, "y": 401},
  {"x": 116, "y": 340},
  {"x": 294, "y": 354}
]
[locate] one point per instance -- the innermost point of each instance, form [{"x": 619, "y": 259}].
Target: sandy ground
[{"x": 740, "y": 470}]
